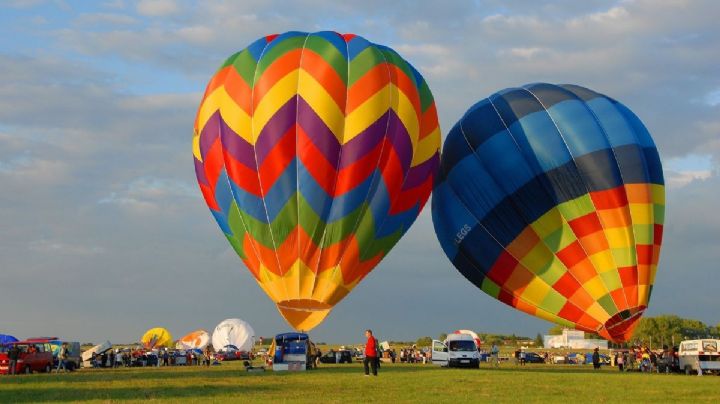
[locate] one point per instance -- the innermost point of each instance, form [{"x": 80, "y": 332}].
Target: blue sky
[{"x": 104, "y": 233}]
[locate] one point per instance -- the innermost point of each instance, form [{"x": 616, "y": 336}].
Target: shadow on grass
[
  {"x": 72, "y": 393},
  {"x": 548, "y": 369}
]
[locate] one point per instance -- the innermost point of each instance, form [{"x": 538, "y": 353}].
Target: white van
[
  {"x": 458, "y": 350},
  {"x": 699, "y": 352}
]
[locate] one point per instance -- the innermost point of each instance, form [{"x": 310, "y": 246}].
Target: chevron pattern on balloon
[{"x": 315, "y": 152}]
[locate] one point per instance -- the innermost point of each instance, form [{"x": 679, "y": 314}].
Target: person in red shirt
[{"x": 371, "y": 357}]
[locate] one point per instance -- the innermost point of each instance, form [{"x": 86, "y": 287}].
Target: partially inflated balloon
[
  {"x": 197, "y": 339},
  {"x": 233, "y": 334},
  {"x": 156, "y": 338},
  {"x": 551, "y": 199},
  {"x": 315, "y": 153}
]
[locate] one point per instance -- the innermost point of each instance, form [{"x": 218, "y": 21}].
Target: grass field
[{"x": 346, "y": 383}]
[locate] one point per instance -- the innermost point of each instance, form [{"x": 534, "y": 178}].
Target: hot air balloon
[
  {"x": 551, "y": 199},
  {"x": 233, "y": 334},
  {"x": 197, "y": 339},
  {"x": 315, "y": 152},
  {"x": 473, "y": 334},
  {"x": 156, "y": 338},
  {"x": 6, "y": 339}
]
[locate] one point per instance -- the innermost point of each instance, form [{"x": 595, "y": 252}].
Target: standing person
[
  {"x": 522, "y": 357},
  {"x": 62, "y": 357},
  {"x": 207, "y": 355},
  {"x": 371, "y": 358},
  {"x": 13, "y": 356},
  {"x": 495, "y": 352},
  {"x": 620, "y": 360},
  {"x": 596, "y": 359}
]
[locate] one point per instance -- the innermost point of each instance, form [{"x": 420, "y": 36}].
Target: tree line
[{"x": 667, "y": 329}]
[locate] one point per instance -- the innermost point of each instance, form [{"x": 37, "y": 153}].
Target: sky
[{"x": 104, "y": 233}]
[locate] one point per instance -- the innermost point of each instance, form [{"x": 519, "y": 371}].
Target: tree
[
  {"x": 423, "y": 341},
  {"x": 539, "y": 340},
  {"x": 556, "y": 329},
  {"x": 442, "y": 337},
  {"x": 669, "y": 329}
]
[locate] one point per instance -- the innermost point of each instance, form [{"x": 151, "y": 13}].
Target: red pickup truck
[{"x": 35, "y": 356}]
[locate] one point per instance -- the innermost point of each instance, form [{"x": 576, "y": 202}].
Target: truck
[
  {"x": 699, "y": 355},
  {"x": 458, "y": 350},
  {"x": 292, "y": 351}
]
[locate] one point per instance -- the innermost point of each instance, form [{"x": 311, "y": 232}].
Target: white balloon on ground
[{"x": 233, "y": 333}]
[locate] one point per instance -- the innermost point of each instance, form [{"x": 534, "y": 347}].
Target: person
[
  {"x": 596, "y": 359},
  {"x": 207, "y": 355},
  {"x": 62, "y": 358},
  {"x": 620, "y": 360},
  {"x": 522, "y": 357},
  {"x": 13, "y": 356},
  {"x": 517, "y": 357},
  {"x": 494, "y": 352},
  {"x": 371, "y": 358}
]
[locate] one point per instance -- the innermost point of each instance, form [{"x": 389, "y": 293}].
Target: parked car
[
  {"x": 458, "y": 350},
  {"x": 35, "y": 356},
  {"x": 532, "y": 357},
  {"x": 340, "y": 356},
  {"x": 233, "y": 355}
]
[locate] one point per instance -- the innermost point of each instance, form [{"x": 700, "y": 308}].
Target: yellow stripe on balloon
[
  {"x": 278, "y": 95},
  {"x": 367, "y": 113},
  {"x": 427, "y": 147},
  {"x": 322, "y": 103},
  {"x": 234, "y": 116},
  {"x": 405, "y": 110},
  {"x": 196, "y": 145}
]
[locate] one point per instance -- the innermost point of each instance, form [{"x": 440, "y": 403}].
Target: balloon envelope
[
  {"x": 197, "y": 339},
  {"x": 471, "y": 333},
  {"x": 551, "y": 199},
  {"x": 315, "y": 152},
  {"x": 6, "y": 339},
  {"x": 156, "y": 338},
  {"x": 234, "y": 333}
]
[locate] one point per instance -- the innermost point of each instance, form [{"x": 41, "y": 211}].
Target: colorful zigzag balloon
[{"x": 315, "y": 153}]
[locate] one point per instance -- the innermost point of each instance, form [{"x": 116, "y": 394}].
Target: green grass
[{"x": 346, "y": 383}]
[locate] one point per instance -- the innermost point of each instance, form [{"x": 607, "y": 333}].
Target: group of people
[
  {"x": 138, "y": 357},
  {"x": 644, "y": 359},
  {"x": 412, "y": 355}
]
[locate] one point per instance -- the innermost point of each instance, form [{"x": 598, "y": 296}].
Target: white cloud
[
  {"x": 157, "y": 8},
  {"x": 679, "y": 179},
  {"x": 105, "y": 19},
  {"x": 148, "y": 195}
]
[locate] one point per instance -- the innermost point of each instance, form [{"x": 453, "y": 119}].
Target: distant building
[{"x": 574, "y": 340}]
